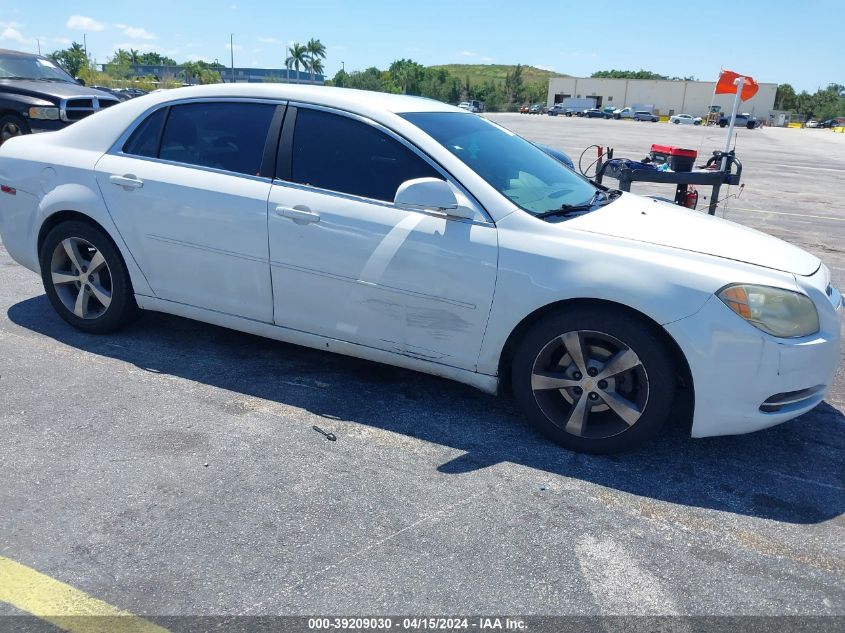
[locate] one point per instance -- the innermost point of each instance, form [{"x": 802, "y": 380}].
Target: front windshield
[
  {"x": 517, "y": 169},
  {"x": 26, "y": 67}
]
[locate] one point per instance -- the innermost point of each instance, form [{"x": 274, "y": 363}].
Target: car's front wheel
[
  {"x": 594, "y": 380},
  {"x": 12, "y": 125},
  {"x": 85, "y": 278}
]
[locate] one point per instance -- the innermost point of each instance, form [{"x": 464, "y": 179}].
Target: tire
[
  {"x": 12, "y": 125},
  {"x": 109, "y": 282},
  {"x": 648, "y": 387},
  {"x": 750, "y": 126},
  {"x": 722, "y": 124},
  {"x": 677, "y": 121},
  {"x": 696, "y": 122}
]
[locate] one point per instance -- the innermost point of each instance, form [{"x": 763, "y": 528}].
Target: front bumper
[{"x": 746, "y": 380}]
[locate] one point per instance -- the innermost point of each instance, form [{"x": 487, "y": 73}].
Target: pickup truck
[
  {"x": 36, "y": 95},
  {"x": 742, "y": 120}
]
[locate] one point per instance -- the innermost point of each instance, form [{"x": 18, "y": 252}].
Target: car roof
[
  {"x": 323, "y": 95},
  {"x": 100, "y": 131},
  {"x": 11, "y": 53}
]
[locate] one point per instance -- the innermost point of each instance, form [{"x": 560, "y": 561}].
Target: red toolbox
[{"x": 679, "y": 159}]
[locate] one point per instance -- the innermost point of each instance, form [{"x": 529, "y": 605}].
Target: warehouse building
[{"x": 667, "y": 97}]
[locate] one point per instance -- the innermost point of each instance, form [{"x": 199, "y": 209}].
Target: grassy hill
[{"x": 480, "y": 73}]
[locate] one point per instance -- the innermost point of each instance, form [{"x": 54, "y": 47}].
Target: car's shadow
[{"x": 790, "y": 473}]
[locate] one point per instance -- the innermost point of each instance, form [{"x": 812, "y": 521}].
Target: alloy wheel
[
  {"x": 590, "y": 384},
  {"x": 81, "y": 278}
]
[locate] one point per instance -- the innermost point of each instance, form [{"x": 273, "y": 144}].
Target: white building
[{"x": 667, "y": 97}]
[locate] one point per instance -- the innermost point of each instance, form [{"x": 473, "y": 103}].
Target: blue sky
[{"x": 801, "y": 44}]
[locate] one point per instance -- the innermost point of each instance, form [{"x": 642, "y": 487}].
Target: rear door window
[
  {"x": 222, "y": 135},
  {"x": 145, "y": 138}
]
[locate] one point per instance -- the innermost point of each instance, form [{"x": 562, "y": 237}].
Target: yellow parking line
[{"x": 62, "y": 605}]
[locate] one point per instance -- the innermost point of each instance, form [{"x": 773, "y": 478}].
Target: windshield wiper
[
  {"x": 571, "y": 209},
  {"x": 64, "y": 81},
  {"x": 14, "y": 77}
]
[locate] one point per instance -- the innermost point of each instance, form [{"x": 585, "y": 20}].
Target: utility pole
[
  {"x": 343, "y": 66},
  {"x": 232, "y": 51},
  {"x": 39, "y": 45}
]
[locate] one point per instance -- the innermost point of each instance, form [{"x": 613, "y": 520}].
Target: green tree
[
  {"x": 627, "y": 74},
  {"x": 155, "y": 59},
  {"x": 316, "y": 52},
  {"x": 785, "y": 97},
  {"x": 341, "y": 79},
  {"x": 297, "y": 58},
  {"x": 407, "y": 76},
  {"x": 514, "y": 83},
  {"x": 72, "y": 59}
]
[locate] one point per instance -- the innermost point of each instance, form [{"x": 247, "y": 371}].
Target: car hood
[
  {"x": 57, "y": 89},
  {"x": 646, "y": 220}
]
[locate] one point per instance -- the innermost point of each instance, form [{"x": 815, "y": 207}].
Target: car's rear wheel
[
  {"x": 594, "y": 380},
  {"x": 12, "y": 125},
  {"x": 86, "y": 279}
]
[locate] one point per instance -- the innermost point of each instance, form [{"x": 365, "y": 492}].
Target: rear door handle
[
  {"x": 299, "y": 214},
  {"x": 127, "y": 182}
]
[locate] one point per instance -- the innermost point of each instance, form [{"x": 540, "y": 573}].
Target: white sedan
[
  {"x": 413, "y": 233},
  {"x": 686, "y": 119}
]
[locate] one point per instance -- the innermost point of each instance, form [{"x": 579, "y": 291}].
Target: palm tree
[
  {"x": 297, "y": 57},
  {"x": 316, "y": 53},
  {"x": 316, "y": 67}
]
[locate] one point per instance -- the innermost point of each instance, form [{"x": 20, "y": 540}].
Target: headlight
[
  {"x": 781, "y": 313},
  {"x": 51, "y": 114}
]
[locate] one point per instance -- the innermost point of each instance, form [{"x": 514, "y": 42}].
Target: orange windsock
[{"x": 727, "y": 85}]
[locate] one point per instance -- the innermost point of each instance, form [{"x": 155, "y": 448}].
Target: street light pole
[{"x": 232, "y": 52}]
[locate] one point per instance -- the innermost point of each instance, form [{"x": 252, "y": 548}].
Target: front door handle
[
  {"x": 299, "y": 214},
  {"x": 127, "y": 181}
]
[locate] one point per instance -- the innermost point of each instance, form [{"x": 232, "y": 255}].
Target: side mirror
[
  {"x": 80, "y": 81},
  {"x": 432, "y": 194}
]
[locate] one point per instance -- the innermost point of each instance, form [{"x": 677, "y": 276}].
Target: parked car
[
  {"x": 624, "y": 113},
  {"x": 594, "y": 113},
  {"x": 537, "y": 108},
  {"x": 446, "y": 244},
  {"x": 812, "y": 123},
  {"x": 472, "y": 105},
  {"x": 686, "y": 119},
  {"x": 36, "y": 95},
  {"x": 742, "y": 120},
  {"x": 645, "y": 115},
  {"x": 556, "y": 110},
  {"x": 523, "y": 109},
  {"x": 628, "y": 112}
]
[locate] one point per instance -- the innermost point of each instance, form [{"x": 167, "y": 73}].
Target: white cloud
[
  {"x": 486, "y": 59},
  {"x": 236, "y": 47},
  {"x": 137, "y": 33},
  {"x": 11, "y": 25},
  {"x": 233, "y": 7},
  {"x": 198, "y": 58},
  {"x": 83, "y": 23},
  {"x": 468, "y": 54},
  {"x": 13, "y": 35},
  {"x": 544, "y": 67}
]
